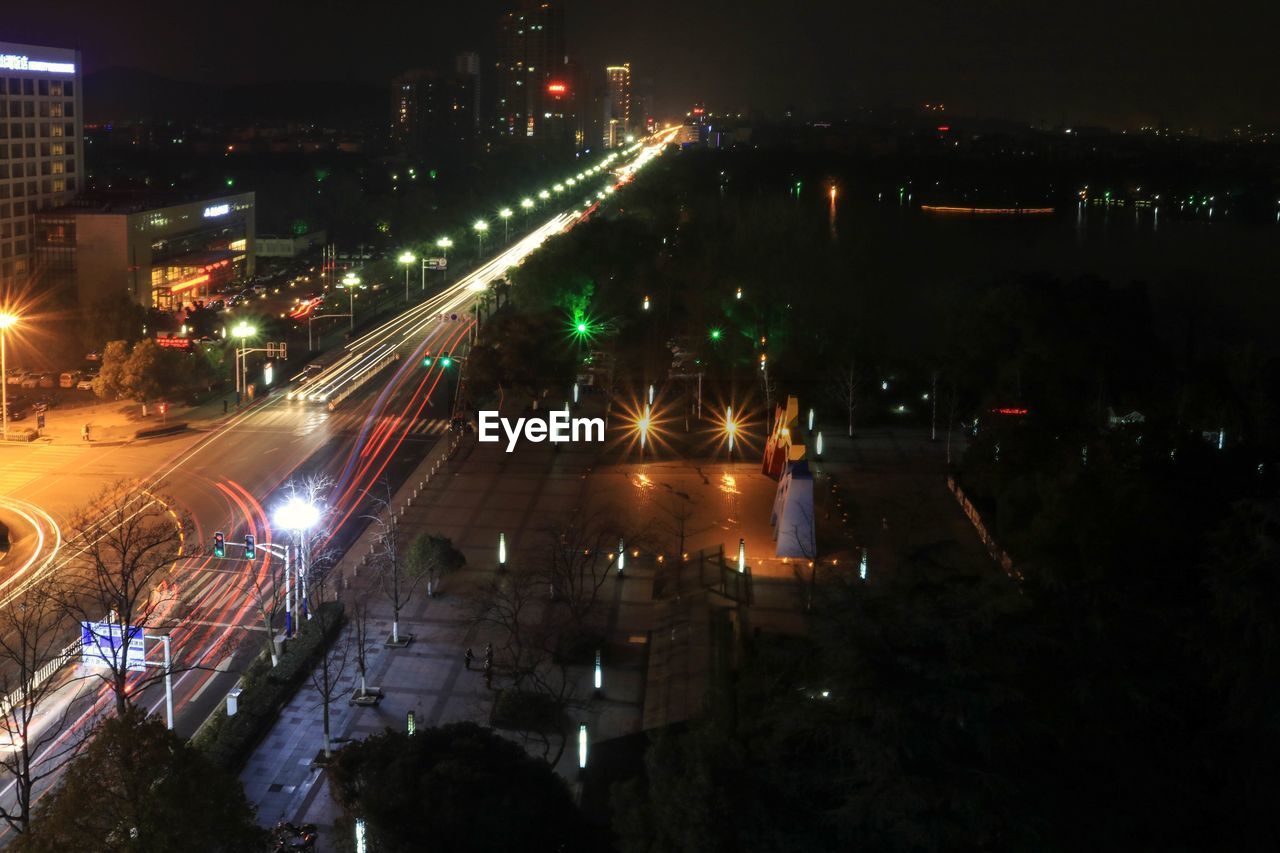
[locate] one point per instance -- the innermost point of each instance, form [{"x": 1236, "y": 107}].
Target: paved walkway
[{"x": 483, "y": 491}]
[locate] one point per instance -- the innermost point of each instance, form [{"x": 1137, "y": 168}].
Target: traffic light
[
  {"x": 446, "y": 361},
  {"x": 249, "y": 546},
  {"x": 219, "y": 544}
]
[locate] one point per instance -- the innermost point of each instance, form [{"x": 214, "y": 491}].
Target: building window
[
  {"x": 43, "y": 87},
  {"x": 55, "y": 89},
  {"x": 59, "y": 167},
  {"x": 56, "y": 131},
  {"x": 59, "y": 185},
  {"x": 55, "y": 110}
]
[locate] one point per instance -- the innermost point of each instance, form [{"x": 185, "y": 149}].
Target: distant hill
[{"x": 131, "y": 94}]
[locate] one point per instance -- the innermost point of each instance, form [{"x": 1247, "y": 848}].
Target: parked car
[
  {"x": 93, "y": 356},
  {"x": 15, "y": 376},
  {"x": 31, "y": 380},
  {"x": 85, "y": 384},
  {"x": 48, "y": 401},
  {"x": 17, "y": 410},
  {"x": 69, "y": 379},
  {"x": 47, "y": 380}
]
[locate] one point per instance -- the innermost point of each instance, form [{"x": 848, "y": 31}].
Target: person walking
[
  {"x": 84, "y": 433},
  {"x": 488, "y": 674},
  {"x": 467, "y": 658}
]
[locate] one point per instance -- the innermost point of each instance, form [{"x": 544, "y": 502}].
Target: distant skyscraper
[
  {"x": 467, "y": 67},
  {"x": 617, "y": 104},
  {"x": 40, "y": 146},
  {"x": 529, "y": 74},
  {"x": 432, "y": 112}
]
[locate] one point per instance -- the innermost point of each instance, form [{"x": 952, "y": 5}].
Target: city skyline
[{"x": 1097, "y": 64}]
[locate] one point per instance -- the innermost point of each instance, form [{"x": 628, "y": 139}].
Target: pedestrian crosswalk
[
  {"x": 21, "y": 464},
  {"x": 304, "y": 419}
]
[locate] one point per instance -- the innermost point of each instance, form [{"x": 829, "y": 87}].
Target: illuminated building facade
[
  {"x": 617, "y": 105},
  {"x": 41, "y": 154},
  {"x": 158, "y": 256}
]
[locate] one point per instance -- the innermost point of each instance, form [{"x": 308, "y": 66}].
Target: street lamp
[
  {"x": 406, "y": 258},
  {"x": 527, "y": 204},
  {"x": 351, "y": 281},
  {"x": 6, "y": 320},
  {"x": 444, "y": 244},
  {"x": 480, "y": 226},
  {"x": 543, "y": 195},
  {"x": 505, "y": 213},
  {"x": 730, "y": 430},
  {"x": 242, "y": 331},
  {"x": 297, "y": 516}
]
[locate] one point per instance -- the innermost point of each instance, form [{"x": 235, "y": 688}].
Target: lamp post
[
  {"x": 444, "y": 244},
  {"x": 243, "y": 331},
  {"x": 527, "y": 205},
  {"x": 406, "y": 258},
  {"x": 6, "y": 320},
  {"x": 480, "y": 227},
  {"x": 297, "y": 516},
  {"x": 543, "y": 195},
  {"x": 351, "y": 281},
  {"x": 505, "y": 213}
]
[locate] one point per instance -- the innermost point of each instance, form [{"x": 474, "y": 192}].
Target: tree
[
  {"x": 327, "y": 676},
  {"x": 125, "y": 540},
  {"x": 398, "y": 583},
  {"x": 139, "y": 788},
  {"x": 432, "y": 557},
  {"x": 360, "y": 624},
  {"x": 844, "y": 389},
  {"x": 33, "y": 631},
  {"x": 461, "y": 786},
  {"x": 112, "y": 318},
  {"x": 110, "y": 384}
]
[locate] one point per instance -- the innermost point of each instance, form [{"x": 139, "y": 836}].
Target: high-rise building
[
  {"x": 530, "y": 76},
  {"x": 467, "y": 66},
  {"x": 617, "y": 104},
  {"x": 432, "y": 113},
  {"x": 41, "y": 154}
]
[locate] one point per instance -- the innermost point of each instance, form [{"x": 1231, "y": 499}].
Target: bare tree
[
  {"x": 844, "y": 389},
  {"x": 515, "y": 603},
  {"x": 326, "y": 678},
  {"x": 123, "y": 543},
  {"x": 33, "y": 631},
  {"x": 578, "y": 559},
  {"x": 361, "y": 622},
  {"x": 397, "y": 581},
  {"x": 804, "y": 535}
]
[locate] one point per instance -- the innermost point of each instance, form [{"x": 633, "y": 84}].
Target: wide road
[{"x": 362, "y": 426}]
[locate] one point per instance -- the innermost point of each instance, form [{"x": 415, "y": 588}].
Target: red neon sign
[
  {"x": 557, "y": 88},
  {"x": 174, "y": 343},
  {"x": 1010, "y": 410},
  {"x": 188, "y": 284}
]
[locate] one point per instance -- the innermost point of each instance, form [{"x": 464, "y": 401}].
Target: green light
[
  {"x": 231, "y": 182},
  {"x": 426, "y": 361},
  {"x": 714, "y": 334},
  {"x": 582, "y": 328},
  {"x": 446, "y": 361}
]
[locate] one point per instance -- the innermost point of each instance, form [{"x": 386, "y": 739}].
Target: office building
[
  {"x": 530, "y": 74},
  {"x": 161, "y": 256},
  {"x": 41, "y": 153},
  {"x": 617, "y": 105},
  {"x": 432, "y": 113},
  {"x": 467, "y": 66}
]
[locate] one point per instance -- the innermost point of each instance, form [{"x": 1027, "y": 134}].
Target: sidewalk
[{"x": 117, "y": 422}]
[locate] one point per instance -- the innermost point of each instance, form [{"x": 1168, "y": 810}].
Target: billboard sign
[
  {"x": 437, "y": 263},
  {"x": 101, "y": 644}
]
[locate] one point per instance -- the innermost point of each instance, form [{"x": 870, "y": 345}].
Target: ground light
[
  {"x": 622, "y": 556},
  {"x": 502, "y": 549},
  {"x": 742, "y": 555}
]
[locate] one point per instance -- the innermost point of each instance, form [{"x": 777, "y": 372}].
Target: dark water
[{"x": 1227, "y": 273}]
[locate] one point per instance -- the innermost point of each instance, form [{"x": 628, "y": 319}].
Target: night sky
[{"x": 1084, "y": 62}]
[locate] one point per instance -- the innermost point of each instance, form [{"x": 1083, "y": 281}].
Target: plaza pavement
[{"x": 890, "y": 494}]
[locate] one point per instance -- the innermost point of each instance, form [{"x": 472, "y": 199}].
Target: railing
[
  {"x": 997, "y": 553},
  {"x": 19, "y": 694},
  {"x": 356, "y": 383}
]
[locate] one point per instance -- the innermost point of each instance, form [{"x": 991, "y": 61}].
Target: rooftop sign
[{"x": 19, "y": 62}]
